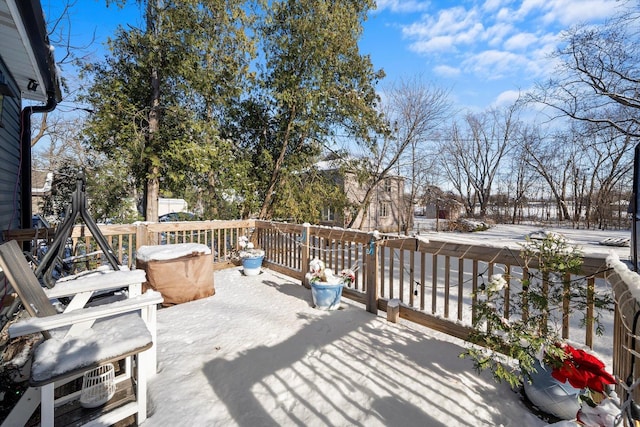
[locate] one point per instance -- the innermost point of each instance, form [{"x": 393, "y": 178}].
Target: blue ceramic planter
[
  {"x": 251, "y": 265},
  {"x": 326, "y": 296},
  {"x": 552, "y": 396}
]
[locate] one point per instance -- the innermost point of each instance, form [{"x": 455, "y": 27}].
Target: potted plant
[
  {"x": 326, "y": 287},
  {"x": 523, "y": 345},
  {"x": 250, "y": 256}
]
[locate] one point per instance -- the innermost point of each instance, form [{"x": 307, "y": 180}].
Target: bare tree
[
  {"x": 606, "y": 159},
  {"x": 597, "y": 76},
  {"x": 522, "y": 176},
  {"x": 414, "y": 110},
  {"x": 552, "y": 158},
  {"x": 472, "y": 154},
  {"x": 67, "y": 54},
  {"x": 418, "y": 110}
]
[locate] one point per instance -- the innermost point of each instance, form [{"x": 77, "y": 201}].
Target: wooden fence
[
  {"x": 435, "y": 280},
  {"x": 220, "y": 236}
]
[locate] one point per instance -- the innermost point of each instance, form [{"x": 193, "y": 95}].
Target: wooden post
[
  {"x": 141, "y": 235},
  {"x": 371, "y": 260},
  {"x": 393, "y": 310},
  {"x": 305, "y": 250}
]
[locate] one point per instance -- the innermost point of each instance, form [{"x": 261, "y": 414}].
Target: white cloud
[
  {"x": 472, "y": 34},
  {"x": 504, "y": 14},
  {"x": 446, "y": 71},
  {"x": 451, "y": 27},
  {"x": 456, "y": 20},
  {"x": 494, "y": 64},
  {"x": 496, "y": 34},
  {"x": 496, "y": 39},
  {"x": 434, "y": 44},
  {"x": 571, "y": 12},
  {"x": 564, "y": 12},
  {"x": 492, "y": 5},
  {"x": 507, "y": 97},
  {"x": 528, "y": 6},
  {"x": 520, "y": 41},
  {"x": 402, "y": 6}
]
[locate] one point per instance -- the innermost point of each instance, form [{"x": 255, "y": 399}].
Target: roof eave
[{"x": 30, "y": 23}]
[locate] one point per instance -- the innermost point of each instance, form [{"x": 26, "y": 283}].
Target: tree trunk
[
  {"x": 153, "y": 184},
  {"x": 153, "y": 171},
  {"x": 265, "y": 211},
  {"x": 153, "y": 193},
  {"x": 363, "y": 209}
]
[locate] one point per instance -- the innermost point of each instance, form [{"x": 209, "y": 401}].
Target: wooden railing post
[
  {"x": 141, "y": 236},
  {"x": 371, "y": 260},
  {"x": 305, "y": 252}
]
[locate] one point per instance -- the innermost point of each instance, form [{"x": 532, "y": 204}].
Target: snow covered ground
[
  {"x": 511, "y": 235},
  {"x": 258, "y": 354}
]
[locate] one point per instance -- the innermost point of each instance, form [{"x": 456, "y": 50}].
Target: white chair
[{"x": 79, "y": 339}]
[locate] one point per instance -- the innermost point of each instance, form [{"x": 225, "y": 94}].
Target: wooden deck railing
[
  {"x": 220, "y": 236},
  {"x": 434, "y": 280},
  {"x": 626, "y": 288}
]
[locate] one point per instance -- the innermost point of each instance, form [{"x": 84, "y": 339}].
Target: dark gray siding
[{"x": 10, "y": 158}]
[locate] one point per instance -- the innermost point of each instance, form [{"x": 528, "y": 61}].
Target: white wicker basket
[{"x": 98, "y": 386}]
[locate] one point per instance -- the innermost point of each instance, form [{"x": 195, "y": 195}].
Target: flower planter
[
  {"x": 552, "y": 396},
  {"x": 326, "y": 296},
  {"x": 251, "y": 265}
]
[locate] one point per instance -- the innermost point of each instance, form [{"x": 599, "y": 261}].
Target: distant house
[
  {"x": 41, "y": 184},
  {"x": 437, "y": 204},
  {"x": 167, "y": 205},
  {"x": 27, "y": 72},
  {"x": 386, "y": 211}
]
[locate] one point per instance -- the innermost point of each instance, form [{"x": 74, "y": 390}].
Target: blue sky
[{"x": 483, "y": 51}]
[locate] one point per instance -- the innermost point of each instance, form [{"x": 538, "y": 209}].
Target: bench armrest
[
  {"x": 40, "y": 324},
  {"x": 95, "y": 282}
]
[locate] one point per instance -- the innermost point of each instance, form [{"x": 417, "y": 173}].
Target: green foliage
[
  {"x": 233, "y": 136},
  {"x": 55, "y": 203},
  {"x": 110, "y": 191},
  {"x": 302, "y": 197},
  {"x": 313, "y": 85},
  {"x": 200, "y": 54},
  {"x": 531, "y": 328}
]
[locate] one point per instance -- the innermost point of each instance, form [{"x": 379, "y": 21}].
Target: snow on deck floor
[{"x": 258, "y": 354}]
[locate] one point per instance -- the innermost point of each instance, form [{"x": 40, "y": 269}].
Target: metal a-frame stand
[{"x": 55, "y": 253}]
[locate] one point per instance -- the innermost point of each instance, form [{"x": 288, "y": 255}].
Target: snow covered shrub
[
  {"x": 522, "y": 322},
  {"x": 467, "y": 225}
]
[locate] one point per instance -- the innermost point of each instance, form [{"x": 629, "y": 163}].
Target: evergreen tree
[
  {"x": 313, "y": 86},
  {"x": 161, "y": 94}
]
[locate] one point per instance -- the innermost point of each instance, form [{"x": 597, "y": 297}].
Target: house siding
[
  {"x": 386, "y": 211},
  {"x": 10, "y": 155},
  {"x": 388, "y": 192}
]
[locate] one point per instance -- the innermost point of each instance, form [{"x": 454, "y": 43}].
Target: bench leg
[
  {"x": 47, "y": 405},
  {"x": 23, "y": 410},
  {"x": 150, "y": 316},
  {"x": 142, "y": 370}
]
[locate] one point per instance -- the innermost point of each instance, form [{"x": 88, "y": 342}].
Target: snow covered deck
[{"x": 257, "y": 354}]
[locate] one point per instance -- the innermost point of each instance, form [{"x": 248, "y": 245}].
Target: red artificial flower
[{"x": 582, "y": 370}]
